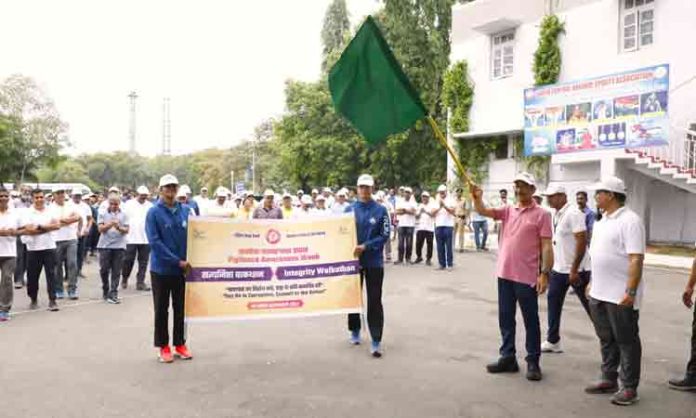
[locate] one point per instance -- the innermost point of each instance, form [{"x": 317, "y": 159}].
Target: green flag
[{"x": 369, "y": 88}]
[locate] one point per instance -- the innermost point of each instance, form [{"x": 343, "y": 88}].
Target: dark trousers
[
  {"x": 691, "y": 367},
  {"x": 617, "y": 329},
  {"x": 36, "y": 261},
  {"x": 423, "y": 237},
  {"x": 445, "y": 252},
  {"x": 142, "y": 253},
  {"x": 81, "y": 253},
  {"x": 480, "y": 234},
  {"x": 21, "y": 266},
  {"x": 110, "y": 265},
  {"x": 405, "y": 242},
  {"x": 558, "y": 288},
  {"x": 509, "y": 295},
  {"x": 165, "y": 288},
  {"x": 372, "y": 279},
  {"x": 93, "y": 238}
]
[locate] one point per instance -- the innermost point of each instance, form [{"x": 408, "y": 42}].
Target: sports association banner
[
  {"x": 624, "y": 110},
  {"x": 271, "y": 268}
]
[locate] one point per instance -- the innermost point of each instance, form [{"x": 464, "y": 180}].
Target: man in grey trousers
[
  {"x": 66, "y": 243},
  {"x": 9, "y": 224}
]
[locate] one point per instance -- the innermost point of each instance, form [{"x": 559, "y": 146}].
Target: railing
[{"x": 679, "y": 154}]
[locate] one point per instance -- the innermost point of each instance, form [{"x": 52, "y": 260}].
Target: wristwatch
[{"x": 631, "y": 292}]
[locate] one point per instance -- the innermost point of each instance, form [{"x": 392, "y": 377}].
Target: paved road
[{"x": 95, "y": 360}]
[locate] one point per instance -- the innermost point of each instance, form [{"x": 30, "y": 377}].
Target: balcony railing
[{"x": 679, "y": 154}]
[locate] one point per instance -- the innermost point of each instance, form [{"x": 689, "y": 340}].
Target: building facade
[{"x": 498, "y": 39}]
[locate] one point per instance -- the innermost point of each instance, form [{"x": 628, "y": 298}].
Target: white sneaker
[{"x": 547, "y": 347}]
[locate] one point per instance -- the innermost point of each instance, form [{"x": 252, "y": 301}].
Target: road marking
[{"x": 76, "y": 304}]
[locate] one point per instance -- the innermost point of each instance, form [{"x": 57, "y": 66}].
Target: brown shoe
[{"x": 602, "y": 387}]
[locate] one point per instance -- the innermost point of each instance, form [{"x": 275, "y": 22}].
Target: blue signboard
[{"x": 624, "y": 110}]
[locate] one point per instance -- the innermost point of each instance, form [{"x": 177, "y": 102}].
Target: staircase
[{"x": 674, "y": 163}]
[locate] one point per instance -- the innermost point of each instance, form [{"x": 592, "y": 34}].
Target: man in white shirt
[
  {"x": 37, "y": 224},
  {"x": 84, "y": 226},
  {"x": 570, "y": 262},
  {"x": 327, "y": 193},
  {"x": 425, "y": 229},
  {"x": 444, "y": 228},
  {"x": 406, "y": 219},
  {"x": 381, "y": 198},
  {"x": 21, "y": 205},
  {"x": 320, "y": 211},
  {"x": 305, "y": 209},
  {"x": 220, "y": 207},
  {"x": 66, "y": 243},
  {"x": 617, "y": 252},
  {"x": 137, "y": 245},
  {"x": 9, "y": 224},
  {"x": 341, "y": 203},
  {"x": 202, "y": 199}
]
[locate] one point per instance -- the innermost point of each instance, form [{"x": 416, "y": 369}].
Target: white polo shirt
[
  {"x": 45, "y": 241},
  {"x": 66, "y": 210},
  {"x": 85, "y": 212},
  {"x": 136, "y": 213},
  {"x": 614, "y": 237},
  {"x": 442, "y": 217},
  {"x": 406, "y": 220},
  {"x": 567, "y": 222},
  {"x": 9, "y": 220},
  {"x": 426, "y": 221}
]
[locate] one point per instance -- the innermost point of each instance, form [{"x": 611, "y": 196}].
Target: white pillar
[
  {"x": 607, "y": 166},
  {"x": 451, "y": 168}
]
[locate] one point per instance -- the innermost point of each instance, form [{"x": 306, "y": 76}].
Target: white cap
[
  {"x": 143, "y": 190},
  {"x": 180, "y": 193},
  {"x": 269, "y": 193},
  {"x": 341, "y": 193},
  {"x": 114, "y": 189},
  {"x": 315, "y": 191},
  {"x": 401, "y": 188},
  {"x": 76, "y": 192},
  {"x": 327, "y": 190},
  {"x": 168, "y": 179},
  {"x": 300, "y": 191},
  {"x": 537, "y": 193},
  {"x": 554, "y": 189},
  {"x": 525, "y": 178},
  {"x": 287, "y": 195},
  {"x": 204, "y": 189},
  {"x": 408, "y": 190},
  {"x": 366, "y": 180},
  {"x": 186, "y": 189},
  {"x": 306, "y": 200},
  {"x": 220, "y": 192},
  {"x": 58, "y": 189},
  {"x": 426, "y": 194},
  {"x": 610, "y": 184},
  {"x": 441, "y": 188},
  {"x": 321, "y": 197}
]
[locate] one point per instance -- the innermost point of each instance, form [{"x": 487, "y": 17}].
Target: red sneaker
[
  {"x": 165, "y": 355},
  {"x": 182, "y": 352}
]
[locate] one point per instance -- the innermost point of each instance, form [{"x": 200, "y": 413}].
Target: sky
[{"x": 222, "y": 63}]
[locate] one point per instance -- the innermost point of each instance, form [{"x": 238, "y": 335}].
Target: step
[
  {"x": 691, "y": 181},
  {"x": 643, "y": 160},
  {"x": 668, "y": 171},
  {"x": 656, "y": 165},
  {"x": 682, "y": 176}
]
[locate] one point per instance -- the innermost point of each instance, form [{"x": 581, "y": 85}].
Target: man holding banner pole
[
  {"x": 166, "y": 227},
  {"x": 372, "y": 225}
]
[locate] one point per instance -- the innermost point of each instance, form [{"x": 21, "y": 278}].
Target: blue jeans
[
  {"x": 480, "y": 227},
  {"x": 445, "y": 253},
  {"x": 509, "y": 294},
  {"x": 558, "y": 287}
]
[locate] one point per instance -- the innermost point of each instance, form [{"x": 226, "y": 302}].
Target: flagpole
[{"x": 443, "y": 141}]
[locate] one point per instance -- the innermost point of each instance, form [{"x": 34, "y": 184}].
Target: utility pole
[
  {"x": 166, "y": 128},
  {"x": 253, "y": 165},
  {"x": 131, "y": 127}
]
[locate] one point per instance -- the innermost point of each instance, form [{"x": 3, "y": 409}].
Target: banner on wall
[
  {"x": 271, "y": 268},
  {"x": 623, "y": 110}
]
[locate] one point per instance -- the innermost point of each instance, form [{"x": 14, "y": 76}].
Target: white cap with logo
[
  {"x": 142, "y": 190},
  {"x": 610, "y": 184},
  {"x": 426, "y": 194},
  {"x": 76, "y": 192},
  {"x": 554, "y": 188},
  {"x": 306, "y": 200},
  {"x": 167, "y": 180},
  {"x": 525, "y": 178},
  {"x": 441, "y": 188},
  {"x": 366, "y": 180},
  {"x": 269, "y": 193}
]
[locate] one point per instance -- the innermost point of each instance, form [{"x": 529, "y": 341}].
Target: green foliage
[
  {"x": 458, "y": 96},
  {"x": 335, "y": 33}
]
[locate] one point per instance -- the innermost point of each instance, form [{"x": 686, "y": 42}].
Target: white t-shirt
[
  {"x": 214, "y": 209},
  {"x": 85, "y": 212},
  {"x": 136, "y": 213},
  {"x": 406, "y": 220},
  {"x": 614, "y": 237},
  {"x": 442, "y": 217},
  {"x": 426, "y": 221},
  {"x": 40, "y": 242},
  {"x": 9, "y": 220},
  {"x": 566, "y": 223},
  {"x": 339, "y": 208},
  {"x": 67, "y": 232},
  {"x": 300, "y": 213},
  {"x": 320, "y": 213}
]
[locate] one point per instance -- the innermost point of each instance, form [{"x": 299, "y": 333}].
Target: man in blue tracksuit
[
  {"x": 372, "y": 222},
  {"x": 166, "y": 225}
]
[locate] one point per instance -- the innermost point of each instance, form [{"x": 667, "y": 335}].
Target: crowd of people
[{"x": 566, "y": 245}]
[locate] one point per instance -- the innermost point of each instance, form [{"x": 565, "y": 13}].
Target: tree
[
  {"x": 334, "y": 33},
  {"x": 10, "y": 148},
  {"x": 42, "y": 130}
]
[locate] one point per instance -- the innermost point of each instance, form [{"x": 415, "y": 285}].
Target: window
[
  {"x": 502, "y": 53},
  {"x": 637, "y": 24}
]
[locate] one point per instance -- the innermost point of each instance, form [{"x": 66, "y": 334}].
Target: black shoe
[
  {"x": 687, "y": 384},
  {"x": 533, "y": 372},
  {"x": 18, "y": 285},
  {"x": 124, "y": 284},
  {"x": 428, "y": 263},
  {"x": 34, "y": 304},
  {"x": 602, "y": 387},
  {"x": 53, "y": 306},
  {"x": 398, "y": 262},
  {"x": 504, "y": 365},
  {"x": 418, "y": 260},
  {"x": 142, "y": 286}
]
